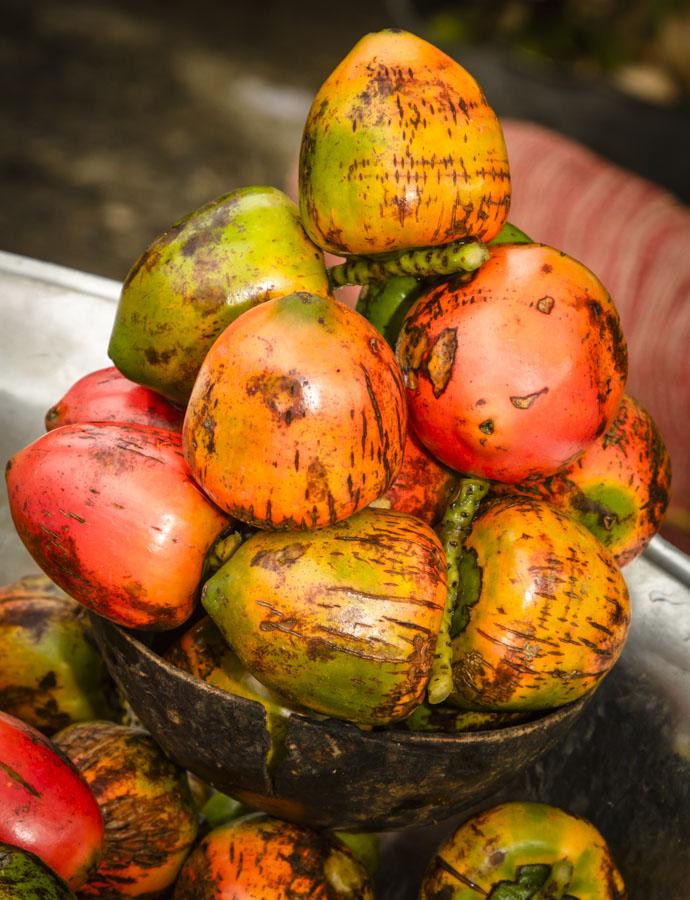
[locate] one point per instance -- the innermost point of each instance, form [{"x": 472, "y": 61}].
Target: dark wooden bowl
[{"x": 325, "y": 773}]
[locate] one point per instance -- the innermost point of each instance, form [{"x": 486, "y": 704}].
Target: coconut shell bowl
[{"x": 320, "y": 771}]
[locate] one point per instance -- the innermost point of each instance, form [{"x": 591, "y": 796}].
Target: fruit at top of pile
[
  {"x": 401, "y": 149},
  {"x": 298, "y": 416},
  {"x": 544, "y": 609},
  {"x": 51, "y": 672},
  {"x": 23, "y": 876},
  {"x": 342, "y": 620},
  {"x": 619, "y": 488},
  {"x": 46, "y": 807},
  {"x": 522, "y": 850},
  {"x": 197, "y": 277},
  {"x": 257, "y": 856},
  {"x": 111, "y": 514},
  {"x": 148, "y": 810},
  {"x": 107, "y": 396},
  {"x": 514, "y": 373}
]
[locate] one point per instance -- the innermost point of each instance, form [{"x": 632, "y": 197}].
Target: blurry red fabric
[{"x": 635, "y": 237}]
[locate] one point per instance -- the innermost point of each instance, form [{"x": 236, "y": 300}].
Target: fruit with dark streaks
[
  {"x": 520, "y": 850},
  {"x": 46, "y": 807},
  {"x": 423, "y": 486},
  {"x": 147, "y": 805},
  {"x": 298, "y": 416},
  {"x": 111, "y": 514},
  {"x": 401, "y": 149},
  {"x": 258, "y": 856},
  {"x": 24, "y": 876},
  {"x": 619, "y": 488},
  {"x": 517, "y": 371},
  {"x": 107, "y": 396},
  {"x": 543, "y": 612},
  {"x": 342, "y": 620},
  {"x": 200, "y": 275},
  {"x": 51, "y": 672}
]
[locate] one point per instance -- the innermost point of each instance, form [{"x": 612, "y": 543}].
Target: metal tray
[{"x": 626, "y": 763}]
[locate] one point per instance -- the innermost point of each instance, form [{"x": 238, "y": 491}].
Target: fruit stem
[
  {"x": 424, "y": 262},
  {"x": 556, "y": 884},
  {"x": 455, "y": 527},
  {"x": 385, "y": 304}
]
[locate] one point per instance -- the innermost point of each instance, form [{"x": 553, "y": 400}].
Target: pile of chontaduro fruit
[{"x": 425, "y": 501}]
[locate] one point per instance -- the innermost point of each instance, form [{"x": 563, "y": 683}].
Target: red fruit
[
  {"x": 514, "y": 373},
  {"x": 107, "y": 396},
  {"x": 423, "y": 486},
  {"x": 112, "y": 515},
  {"x": 45, "y": 805}
]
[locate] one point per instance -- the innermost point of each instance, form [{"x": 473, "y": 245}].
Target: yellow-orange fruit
[{"x": 401, "y": 149}]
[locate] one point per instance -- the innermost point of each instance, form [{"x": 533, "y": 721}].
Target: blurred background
[{"x": 120, "y": 116}]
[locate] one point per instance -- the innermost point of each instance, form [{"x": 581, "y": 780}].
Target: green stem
[
  {"x": 427, "y": 262},
  {"x": 556, "y": 884},
  {"x": 386, "y": 304},
  {"x": 454, "y": 529}
]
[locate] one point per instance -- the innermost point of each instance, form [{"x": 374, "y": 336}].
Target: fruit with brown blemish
[
  {"x": 112, "y": 515},
  {"x": 107, "y": 396},
  {"x": 257, "y": 856},
  {"x": 298, "y": 417},
  {"x": 400, "y": 150},
  {"x": 342, "y": 620},
  {"x": 147, "y": 806},
  {"x": 543, "y": 612},
  {"x": 206, "y": 270},
  {"x": 618, "y": 488},
  {"x": 516, "y": 372},
  {"x": 423, "y": 486},
  {"x": 51, "y": 672},
  {"x": 46, "y": 807},
  {"x": 519, "y": 850}
]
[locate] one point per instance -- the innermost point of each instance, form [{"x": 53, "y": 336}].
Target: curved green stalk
[
  {"x": 454, "y": 528},
  {"x": 425, "y": 262},
  {"x": 386, "y": 304}
]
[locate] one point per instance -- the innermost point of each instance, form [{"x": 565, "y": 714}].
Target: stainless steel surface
[{"x": 625, "y": 765}]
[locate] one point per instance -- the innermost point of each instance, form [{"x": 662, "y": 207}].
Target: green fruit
[
  {"x": 51, "y": 672},
  {"x": 193, "y": 281},
  {"x": 24, "y": 876}
]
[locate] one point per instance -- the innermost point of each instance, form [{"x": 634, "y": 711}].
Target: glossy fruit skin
[
  {"x": 192, "y": 281},
  {"x": 148, "y": 810},
  {"x": 107, "y": 396},
  {"x": 298, "y": 416},
  {"x": 619, "y": 488},
  {"x": 490, "y": 847},
  {"x": 400, "y": 149},
  {"x": 258, "y": 856},
  {"x": 342, "y": 620},
  {"x": 111, "y": 514},
  {"x": 514, "y": 373},
  {"x": 423, "y": 486},
  {"x": 51, "y": 672},
  {"x": 549, "y": 610},
  {"x": 46, "y": 806},
  {"x": 23, "y": 876}
]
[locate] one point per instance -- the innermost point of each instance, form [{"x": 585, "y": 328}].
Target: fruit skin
[
  {"x": 192, "y": 281},
  {"x": 258, "y": 856},
  {"x": 619, "y": 488},
  {"x": 23, "y": 876},
  {"x": 51, "y": 672},
  {"x": 107, "y": 396},
  {"x": 548, "y": 609},
  {"x": 298, "y": 416},
  {"x": 147, "y": 805},
  {"x": 46, "y": 806},
  {"x": 111, "y": 514},
  {"x": 423, "y": 486},
  {"x": 400, "y": 149},
  {"x": 342, "y": 620},
  {"x": 514, "y": 373},
  {"x": 489, "y": 848}
]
